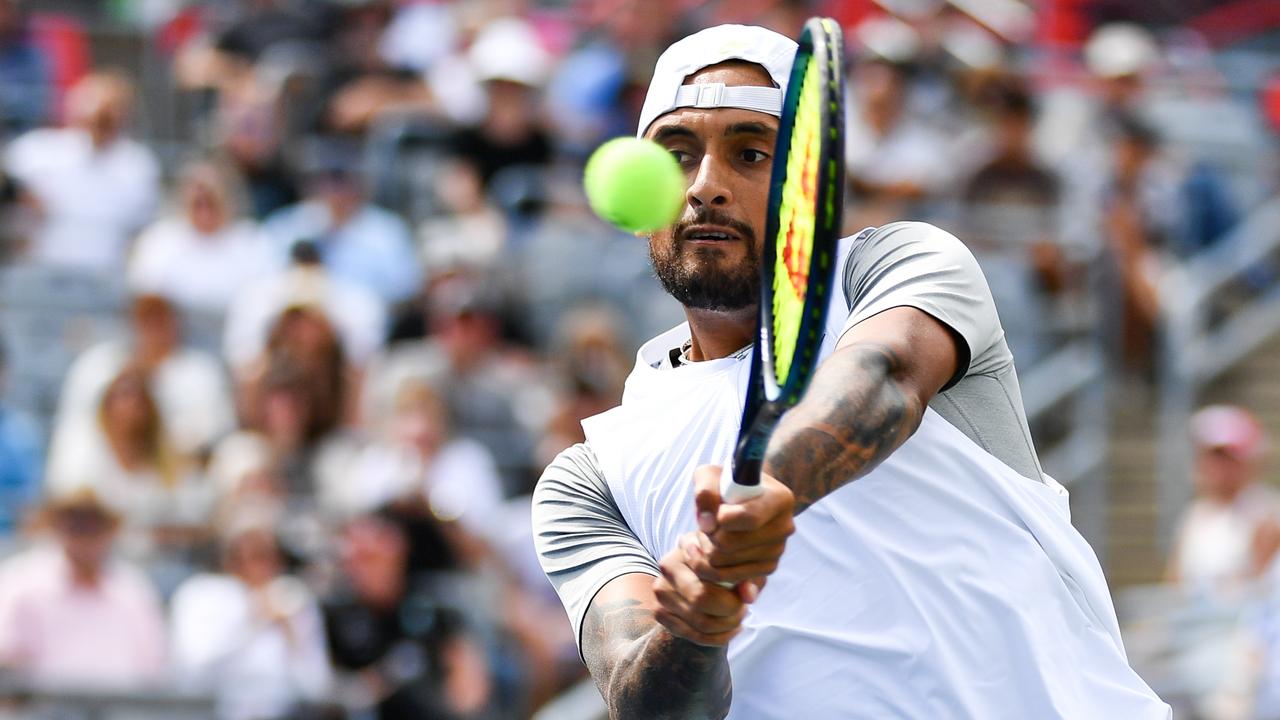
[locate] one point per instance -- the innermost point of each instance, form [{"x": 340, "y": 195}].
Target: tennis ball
[{"x": 634, "y": 184}]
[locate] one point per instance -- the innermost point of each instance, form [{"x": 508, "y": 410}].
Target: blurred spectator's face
[
  {"x": 421, "y": 421},
  {"x": 205, "y": 204},
  {"x": 1013, "y": 133},
  {"x": 85, "y": 534},
  {"x": 881, "y": 94},
  {"x": 1222, "y": 473},
  {"x": 1122, "y": 91},
  {"x": 710, "y": 259},
  {"x": 155, "y": 327},
  {"x": 374, "y": 556},
  {"x": 468, "y": 335},
  {"x": 100, "y": 105},
  {"x": 459, "y": 187},
  {"x": 284, "y": 416},
  {"x": 253, "y": 558},
  {"x": 127, "y": 405},
  {"x": 339, "y": 190},
  {"x": 308, "y": 334},
  {"x": 1130, "y": 158}
]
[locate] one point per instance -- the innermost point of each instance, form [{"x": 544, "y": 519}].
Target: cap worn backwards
[{"x": 667, "y": 91}]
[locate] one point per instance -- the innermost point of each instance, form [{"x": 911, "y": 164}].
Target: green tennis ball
[{"x": 634, "y": 184}]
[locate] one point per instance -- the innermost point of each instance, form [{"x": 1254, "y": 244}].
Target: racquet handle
[{"x": 735, "y": 494}]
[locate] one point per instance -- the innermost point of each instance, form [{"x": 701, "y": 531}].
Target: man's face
[{"x": 710, "y": 259}]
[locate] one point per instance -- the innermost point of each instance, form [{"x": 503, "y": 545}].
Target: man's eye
[
  {"x": 681, "y": 156},
  {"x": 752, "y": 155}
]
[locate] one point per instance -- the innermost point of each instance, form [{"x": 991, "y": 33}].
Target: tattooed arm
[
  {"x": 865, "y": 400},
  {"x": 642, "y": 669}
]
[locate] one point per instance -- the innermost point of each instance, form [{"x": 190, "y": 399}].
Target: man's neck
[{"x": 715, "y": 334}]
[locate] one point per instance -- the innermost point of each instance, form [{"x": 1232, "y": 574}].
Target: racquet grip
[{"x": 735, "y": 494}]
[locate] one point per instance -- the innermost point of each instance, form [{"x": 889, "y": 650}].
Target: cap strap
[{"x": 717, "y": 95}]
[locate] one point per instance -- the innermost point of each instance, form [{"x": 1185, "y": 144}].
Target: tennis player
[{"x": 930, "y": 567}]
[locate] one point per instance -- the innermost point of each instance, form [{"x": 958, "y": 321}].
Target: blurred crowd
[{"x": 361, "y": 303}]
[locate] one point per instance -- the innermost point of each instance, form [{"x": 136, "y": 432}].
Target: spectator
[
  {"x": 406, "y": 656},
  {"x": 1229, "y": 535},
  {"x": 472, "y": 234},
  {"x": 893, "y": 161},
  {"x": 70, "y": 615},
  {"x": 1011, "y": 220},
  {"x": 357, "y": 315},
  {"x": 511, "y": 65},
  {"x": 495, "y": 395},
  {"x": 201, "y": 256},
  {"x": 94, "y": 186},
  {"x": 419, "y": 460},
  {"x": 358, "y": 242},
  {"x": 26, "y": 74},
  {"x": 188, "y": 384},
  {"x": 124, "y": 453},
  {"x": 1139, "y": 213},
  {"x": 21, "y": 462},
  {"x": 592, "y": 368},
  {"x": 1073, "y": 130},
  {"x": 253, "y": 635}
]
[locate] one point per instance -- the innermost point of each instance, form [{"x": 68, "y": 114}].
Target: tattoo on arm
[
  {"x": 643, "y": 671},
  {"x": 853, "y": 416}
]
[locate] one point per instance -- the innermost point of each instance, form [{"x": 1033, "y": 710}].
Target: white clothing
[
  {"x": 941, "y": 584},
  {"x": 93, "y": 200},
  {"x": 190, "y": 389},
  {"x": 909, "y": 152},
  {"x": 197, "y": 271},
  {"x": 1214, "y": 545},
  {"x": 223, "y": 642},
  {"x": 461, "y": 482}
]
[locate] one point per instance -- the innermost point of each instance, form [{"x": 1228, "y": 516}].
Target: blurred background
[{"x": 297, "y": 297}]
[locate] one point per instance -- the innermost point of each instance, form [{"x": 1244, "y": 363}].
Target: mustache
[{"x": 712, "y": 216}]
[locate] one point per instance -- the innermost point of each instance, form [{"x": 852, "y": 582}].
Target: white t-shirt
[
  {"x": 941, "y": 584},
  {"x": 198, "y": 271},
  {"x": 256, "y": 667},
  {"x": 93, "y": 200}
]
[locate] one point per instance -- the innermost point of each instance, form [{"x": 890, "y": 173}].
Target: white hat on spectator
[
  {"x": 766, "y": 48},
  {"x": 1119, "y": 50},
  {"x": 509, "y": 49}
]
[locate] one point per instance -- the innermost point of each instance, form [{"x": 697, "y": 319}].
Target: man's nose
[{"x": 709, "y": 186}]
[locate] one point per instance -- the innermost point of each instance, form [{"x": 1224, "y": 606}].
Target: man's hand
[{"x": 736, "y": 545}]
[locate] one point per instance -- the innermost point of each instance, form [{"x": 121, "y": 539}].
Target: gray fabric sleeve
[
  {"x": 582, "y": 540},
  {"x": 918, "y": 265}
]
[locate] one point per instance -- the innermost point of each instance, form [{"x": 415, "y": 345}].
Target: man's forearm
[
  {"x": 854, "y": 415},
  {"x": 643, "y": 671}
]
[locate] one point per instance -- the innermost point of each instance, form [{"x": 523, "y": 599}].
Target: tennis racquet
[{"x": 801, "y": 233}]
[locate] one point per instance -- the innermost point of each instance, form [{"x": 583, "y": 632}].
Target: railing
[{"x": 1196, "y": 350}]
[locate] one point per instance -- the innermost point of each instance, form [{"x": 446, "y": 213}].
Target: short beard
[{"x": 708, "y": 287}]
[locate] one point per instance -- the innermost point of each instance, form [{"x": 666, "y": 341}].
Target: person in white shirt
[
  {"x": 189, "y": 385},
  {"x": 253, "y": 635},
  {"x": 94, "y": 187},
  {"x": 1229, "y": 535},
  {"x": 207, "y": 251},
  {"x": 419, "y": 459},
  {"x": 920, "y": 564}
]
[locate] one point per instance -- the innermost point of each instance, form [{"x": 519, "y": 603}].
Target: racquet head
[{"x": 806, "y": 197}]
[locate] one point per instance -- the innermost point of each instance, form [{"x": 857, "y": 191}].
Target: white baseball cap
[{"x": 667, "y": 91}]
